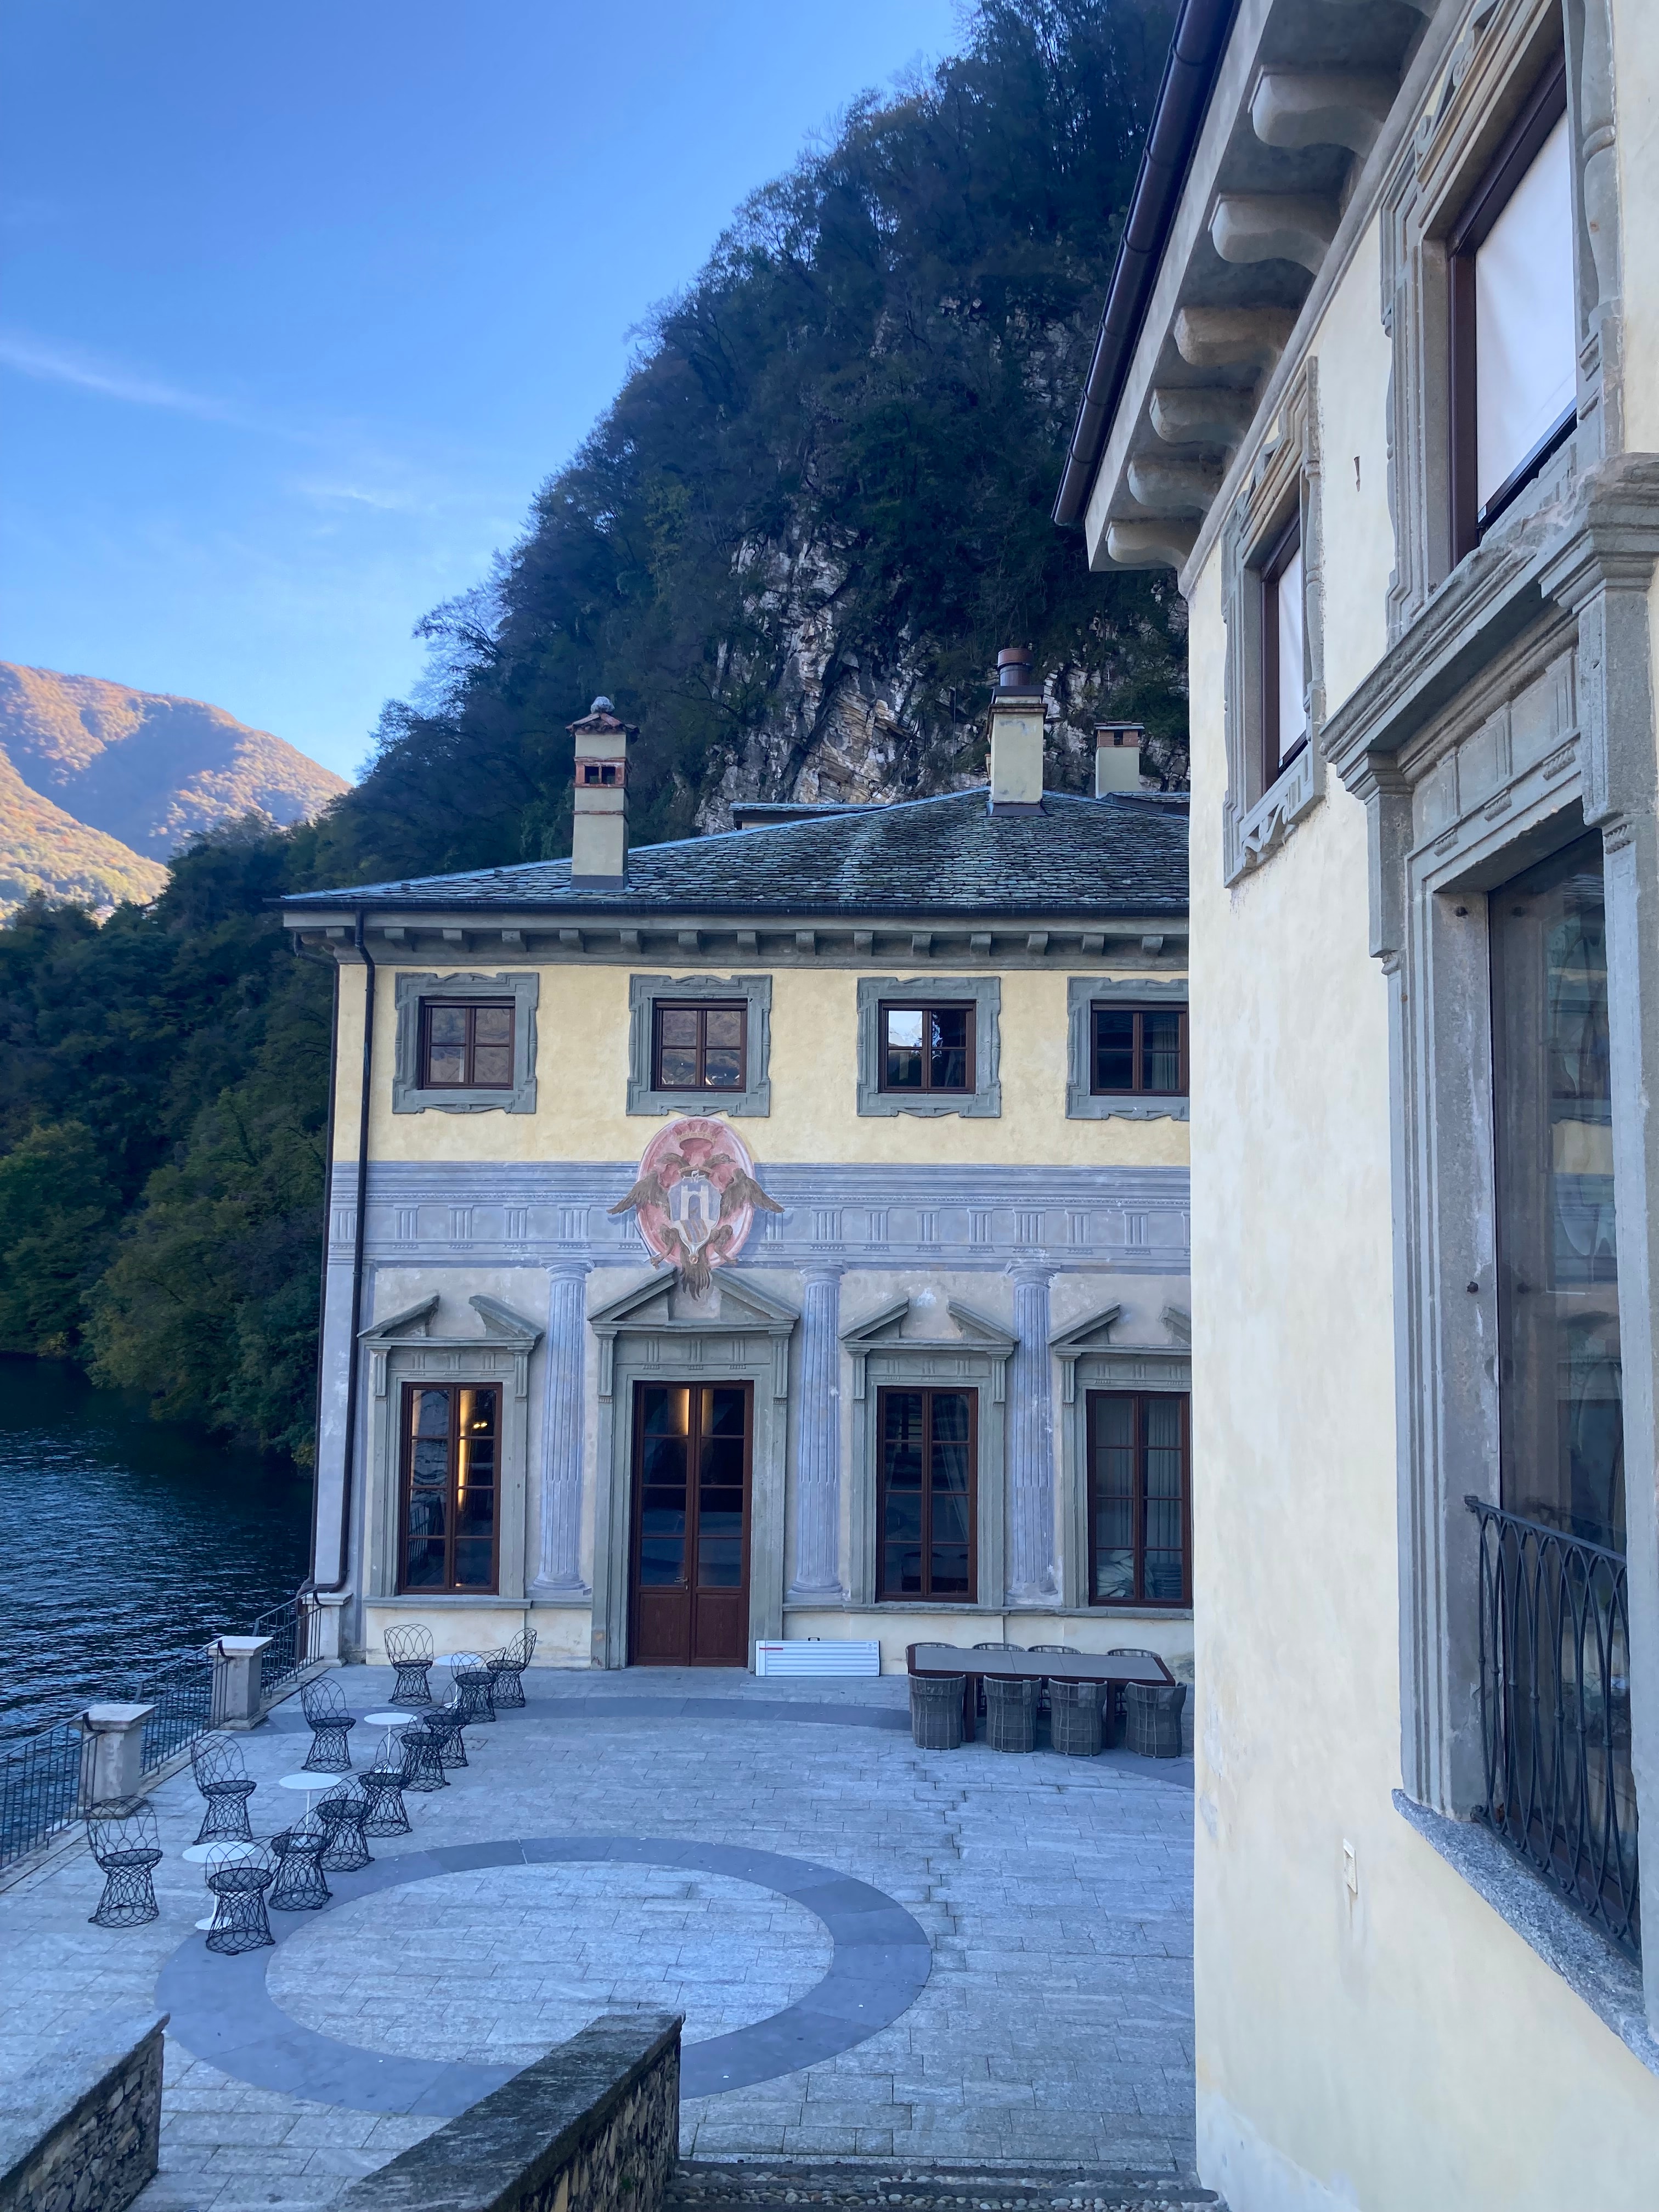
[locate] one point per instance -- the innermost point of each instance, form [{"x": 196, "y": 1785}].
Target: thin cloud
[{"x": 55, "y": 364}]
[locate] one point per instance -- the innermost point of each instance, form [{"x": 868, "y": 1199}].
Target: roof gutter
[{"x": 1183, "y": 100}]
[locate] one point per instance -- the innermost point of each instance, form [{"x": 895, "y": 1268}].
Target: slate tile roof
[{"x": 1120, "y": 854}]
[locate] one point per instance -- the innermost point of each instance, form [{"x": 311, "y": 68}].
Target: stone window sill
[{"x": 1591, "y": 1968}]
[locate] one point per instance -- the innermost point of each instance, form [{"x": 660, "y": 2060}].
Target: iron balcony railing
[
  {"x": 1555, "y": 1715},
  {"x": 45, "y": 1780}
]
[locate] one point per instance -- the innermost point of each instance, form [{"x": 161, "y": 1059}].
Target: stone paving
[{"x": 1056, "y": 2024}]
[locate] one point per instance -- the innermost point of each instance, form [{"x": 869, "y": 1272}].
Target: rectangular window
[
  {"x": 466, "y": 1044},
  {"x": 1140, "y": 1486},
  {"x": 1561, "y": 1428},
  {"x": 1138, "y": 1049},
  {"x": 450, "y": 1471},
  {"x": 698, "y": 1047},
  {"x": 1514, "y": 318},
  {"x": 928, "y": 1487},
  {"x": 1284, "y": 655},
  {"x": 927, "y": 1047}
]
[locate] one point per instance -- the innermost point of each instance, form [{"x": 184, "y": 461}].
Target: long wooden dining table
[{"x": 1046, "y": 1666}]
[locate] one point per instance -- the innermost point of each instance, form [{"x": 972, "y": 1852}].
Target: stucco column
[
  {"x": 560, "y": 1571},
  {"x": 117, "y": 1750},
  {"x": 818, "y": 1440},
  {"x": 1031, "y": 1577}
]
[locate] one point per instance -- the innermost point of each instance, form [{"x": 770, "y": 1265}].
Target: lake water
[{"x": 124, "y": 1539}]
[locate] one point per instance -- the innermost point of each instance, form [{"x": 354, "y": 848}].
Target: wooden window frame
[
  {"x": 927, "y": 1392},
  {"x": 1279, "y": 553},
  {"x": 449, "y": 1587},
  {"x": 701, "y": 1008},
  {"x": 1139, "y": 1601},
  {"x": 471, "y": 1007},
  {"x": 1137, "y": 1089},
  {"x": 927, "y": 1088},
  {"x": 1520, "y": 147}
]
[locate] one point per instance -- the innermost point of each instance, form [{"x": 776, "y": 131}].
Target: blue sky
[{"x": 300, "y": 303}]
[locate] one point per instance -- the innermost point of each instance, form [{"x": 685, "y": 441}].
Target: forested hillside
[{"x": 789, "y": 551}]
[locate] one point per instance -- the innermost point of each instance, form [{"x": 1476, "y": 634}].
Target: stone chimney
[
  {"x": 1016, "y": 735},
  {"x": 1117, "y": 757},
  {"x": 599, "y": 833}
]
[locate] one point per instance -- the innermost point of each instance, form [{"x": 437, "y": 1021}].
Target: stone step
[{"x": 775, "y": 2185}]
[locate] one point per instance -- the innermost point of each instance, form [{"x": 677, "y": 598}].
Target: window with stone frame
[
  {"x": 450, "y": 1484},
  {"x": 1140, "y": 1501},
  {"x": 927, "y": 1510},
  {"x": 927, "y": 1048},
  {"x": 1284, "y": 707},
  {"x": 1137, "y": 1051},
  {"x": 699, "y": 1045},
  {"x": 1512, "y": 315},
  {"x": 466, "y": 1044}
]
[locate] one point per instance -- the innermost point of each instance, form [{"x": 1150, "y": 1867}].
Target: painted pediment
[
  {"x": 1088, "y": 1335},
  {"x": 662, "y": 1303},
  {"x": 504, "y": 1329}
]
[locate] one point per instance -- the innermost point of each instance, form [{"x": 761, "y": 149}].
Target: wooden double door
[{"x": 689, "y": 1570}]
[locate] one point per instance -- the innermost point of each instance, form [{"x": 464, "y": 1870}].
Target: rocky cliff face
[{"x": 100, "y": 784}]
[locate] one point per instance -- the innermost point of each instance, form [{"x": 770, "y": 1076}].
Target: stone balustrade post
[
  {"x": 560, "y": 1571},
  {"x": 818, "y": 1440},
  {"x": 330, "y": 1605},
  {"x": 239, "y": 1680},
  {"x": 118, "y": 1749}
]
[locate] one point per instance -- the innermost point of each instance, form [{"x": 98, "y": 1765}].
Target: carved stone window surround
[
  {"x": 1498, "y": 55},
  {"x": 976, "y": 1360},
  {"x": 1283, "y": 483},
  {"x": 402, "y": 1349},
  {"x": 1517, "y": 709},
  {"x": 1089, "y": 1360},
  {"x": 522, "y": 986},
  {"x": 1082, "y": 992},
  {"x": 755, "y": 993},
  {"x": 655, "y": 1334},
  {"x": 983, "y": 994}
]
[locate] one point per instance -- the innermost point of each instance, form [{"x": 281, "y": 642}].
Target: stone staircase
[{"x": 771, "y": 2186}]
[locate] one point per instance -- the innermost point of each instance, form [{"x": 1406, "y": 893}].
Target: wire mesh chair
[
  {"x": 446, "y": 1721},
  {"x": 408, "y": 1648},
  {"x": 300, "y": 1886},
  {"x": 423, "y": 1766},
  {"x": 506, "y": 1669},
  {"x": 330, "y": 1724},
  {"x": 383, "y": 1786},
  {"x": 240, "y": 1922},
  {"x": 343, "y": 1812},
  {"x": 221, "y": 1775},
  {"x": 473, "y": 1685},
  {"x": 122, "y": 1836}
]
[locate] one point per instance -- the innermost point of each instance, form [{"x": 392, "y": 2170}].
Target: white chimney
[
  {"x": 1016, "y": 735},
  {"x": 1117, "y": 757},
  {"x": 599, "y": 830}
]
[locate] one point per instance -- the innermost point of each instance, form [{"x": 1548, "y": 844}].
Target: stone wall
[
  {"x": 593, "y": 2127},
  {"x": 80, "y": 2130}
]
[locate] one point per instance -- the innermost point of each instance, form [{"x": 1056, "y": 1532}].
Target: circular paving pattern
[
  {"x": 499, "y": 1964},
  {"x": 400, "y": 1987}
]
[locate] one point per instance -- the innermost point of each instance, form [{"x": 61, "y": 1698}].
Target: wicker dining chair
[
  {"x": 506, "y": 1669},
  {"x": 979, "y": 1700},
  {"x": 1065, "y": 1651},
  {"x": 409, "y": 1650},
  {"x": 1112, "y": 1709},
  {"x": 239, "y": 1885},
  {"x": 221, "y": 1775},
  {"x": 122, "y": 1836},
  {"x": 330, "y": 1724}
]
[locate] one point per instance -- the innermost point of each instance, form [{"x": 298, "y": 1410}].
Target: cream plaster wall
[
  {"x": 1324, "y": 2021},
  {"x": 582, "y": 1076},
  {"x": 1354, "y": 354}
]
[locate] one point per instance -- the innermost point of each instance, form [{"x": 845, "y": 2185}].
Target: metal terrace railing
[
  {"x": 1555, "y": 1715},
  {"x": 45, "y": 1780}
]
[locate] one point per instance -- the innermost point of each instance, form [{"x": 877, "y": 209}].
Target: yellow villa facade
[
  {"x": 1379, "y": 380},
  {"x": 776, "y": 1237}
]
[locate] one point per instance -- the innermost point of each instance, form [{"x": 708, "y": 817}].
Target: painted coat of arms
[{"x": 695, "y": 1197}]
